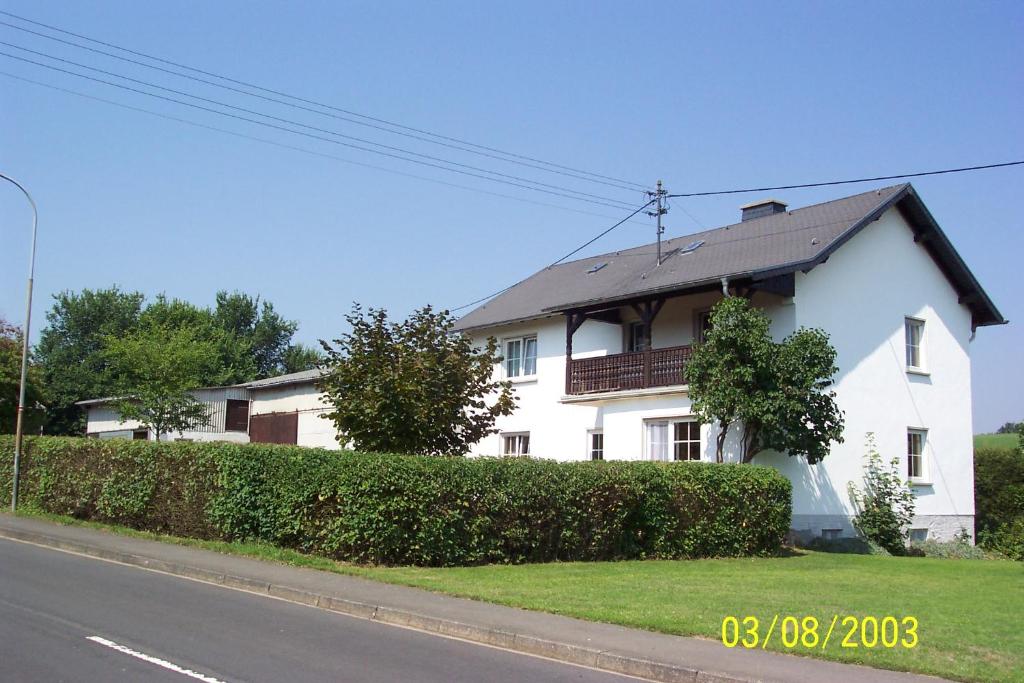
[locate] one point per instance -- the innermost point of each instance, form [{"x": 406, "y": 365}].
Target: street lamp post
[{"x": 24, "y": 343}]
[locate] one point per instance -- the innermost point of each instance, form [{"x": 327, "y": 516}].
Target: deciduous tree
[
  {"x": 70, "y": 350},
  {"x": 10, "y": 383},
  {"x": 155, "y": 369},
  {"x": 776, "y": 394},
  {"x": 413, "y": 386}
]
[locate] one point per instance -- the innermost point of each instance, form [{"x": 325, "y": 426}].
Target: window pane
[
  {"x": 513, "y": 357},
  {"x": 694, "y": 431},
  {"x": 530, "y": 357},
  {"x": 679, "y": 451},
  {"x": 525, "y": 448},
  {"x": 694, "y": 451},
  {"x": 657, "y": 440},
  {"x": 914, "y": 330},
  {"x": 682, "y": 430}
]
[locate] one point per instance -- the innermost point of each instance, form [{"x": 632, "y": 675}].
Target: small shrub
[
  {"x": 885, "y": 508},
  {"x": 1006, "y": 539},
  {"x": 960, "y": 548},
  {"x": 411, "y": 510}
]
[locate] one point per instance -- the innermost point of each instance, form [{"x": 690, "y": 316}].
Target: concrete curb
[{"x": 516, "y": 642}]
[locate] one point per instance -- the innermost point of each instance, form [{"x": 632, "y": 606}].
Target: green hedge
[
  {"x": 999, "y": 500},
  {"x": 394, "y": 509}
]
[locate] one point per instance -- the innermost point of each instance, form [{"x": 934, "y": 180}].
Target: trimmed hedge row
[
  {"x": 395, "y": 509},
  {"x": 999, "y": 500}
]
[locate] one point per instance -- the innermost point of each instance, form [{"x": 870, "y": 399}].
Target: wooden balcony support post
[
  {"x": 648, "y": 311},
  {"x": 572, "y": 323}
]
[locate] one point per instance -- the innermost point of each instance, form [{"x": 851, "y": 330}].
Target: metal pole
[
  {"x": 24, "y": 342},
  {"x": 659, "y": 212}
]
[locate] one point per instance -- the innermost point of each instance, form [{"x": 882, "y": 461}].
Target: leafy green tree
[
  {"x": 412, "y": 386},
  {"x": 775, "y": 393},
  {"x": 885, "y": 506},
  {"x": 70, "y": 350},
  {"x": 155, "y": 368},
  {"x": 235, "y": 364},
  {"x": 298, "y": 357},
  {"x": 10, "y": 383},
  {"x": 267, "y": 334},
  {"x": 1010, "y": 428}
]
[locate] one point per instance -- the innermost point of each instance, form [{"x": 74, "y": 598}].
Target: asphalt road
[{"x": 65, "y": 617}]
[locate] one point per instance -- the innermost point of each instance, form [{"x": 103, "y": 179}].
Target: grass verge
[
  {"x": 1003, "y": 441},
  {"x": 968, "y": 610}
]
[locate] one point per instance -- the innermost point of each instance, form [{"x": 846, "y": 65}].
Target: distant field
[{"x": 1008, "y": 441}]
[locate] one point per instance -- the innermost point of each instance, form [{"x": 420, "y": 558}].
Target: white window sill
[
  {"x": 527, "y": 379},
  {"x": 918, "y": 371},
  {"x": 921, "y": 482}
]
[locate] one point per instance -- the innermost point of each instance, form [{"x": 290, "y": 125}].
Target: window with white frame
[
  {"x": 520, "y": 356},
  {"x": 595, "y": 441},
  {"x": 917, "y": 470},
  {"x": 918, "y": 535},
  {"x": 913, "y": 329},
  {"x": 515, "y": 444},
  {"x": 673, "y": 439}
]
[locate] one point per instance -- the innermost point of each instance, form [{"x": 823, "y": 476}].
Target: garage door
[{"x": 274, "y": 428}]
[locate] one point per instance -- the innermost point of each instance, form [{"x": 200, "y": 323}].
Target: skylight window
[
  {"x": 596, "y": 267},
  {"x": 692, "y": 246}
]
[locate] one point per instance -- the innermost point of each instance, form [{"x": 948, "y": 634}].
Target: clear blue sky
[{"x": 706, "y": 97}]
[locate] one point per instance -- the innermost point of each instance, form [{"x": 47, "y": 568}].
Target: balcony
[{"x": 627, "y": 371}]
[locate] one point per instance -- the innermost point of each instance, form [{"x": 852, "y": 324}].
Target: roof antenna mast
[{"x": 658, "y": 196}]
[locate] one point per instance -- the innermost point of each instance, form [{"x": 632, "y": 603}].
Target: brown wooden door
[{"x": 274, "y": 428}]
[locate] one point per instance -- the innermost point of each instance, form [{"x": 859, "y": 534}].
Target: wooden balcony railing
[{"x": 623, "y": 371}]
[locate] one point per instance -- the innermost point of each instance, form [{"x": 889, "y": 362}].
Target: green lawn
[
  {"x": 969, "y": 611},
  {"x": 1007, "y": 441}
]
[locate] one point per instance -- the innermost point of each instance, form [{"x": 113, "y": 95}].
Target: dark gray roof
[{"x": 749, "y": 251}]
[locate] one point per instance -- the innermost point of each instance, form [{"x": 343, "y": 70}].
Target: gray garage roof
[
  {"x": 750, "y": 251},
  {"x": 304, "y": 377}
]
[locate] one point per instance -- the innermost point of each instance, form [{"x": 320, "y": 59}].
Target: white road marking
[{"x": 154, "y": 660}]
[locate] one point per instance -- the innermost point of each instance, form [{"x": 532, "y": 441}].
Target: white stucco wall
[
  {"x": 860, "y": 296},
  {"x": 307, "y": 401}
]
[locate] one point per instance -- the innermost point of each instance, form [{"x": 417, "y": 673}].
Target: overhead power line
[
  {"x": 848, "y": 182},
  {"x": 613, "y": 203},
  {"x": 364, "y": 117},
  {"x": 305, "y": 108},
  {"x": 295, "y": 148},
  {"x": 555, "y": 263}
]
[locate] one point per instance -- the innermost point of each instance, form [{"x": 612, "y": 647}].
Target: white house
[
  {"x": 286, "y": 409},
  {"x": 595, "y": 348}
]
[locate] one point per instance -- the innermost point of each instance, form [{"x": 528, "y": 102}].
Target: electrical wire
[
  {"x": 310, "y": 109},
  {"x": 306, "y": 101},
  {"x": 309, "y": 135},
  {"x": 855, "y": 180},
  {"x": 555, "y": 263},
  {"x": 303, "y": 150},
  {"x": 607, "y": 200}
]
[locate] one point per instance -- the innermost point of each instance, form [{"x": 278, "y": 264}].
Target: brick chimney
[{"x": 761, "y": 208}]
